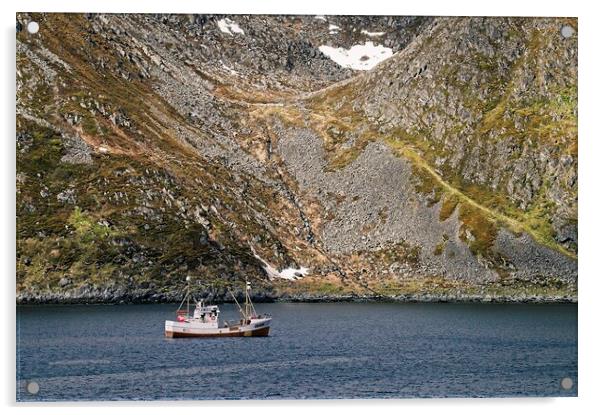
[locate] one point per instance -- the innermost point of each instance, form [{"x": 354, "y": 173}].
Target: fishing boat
[{"x": 205, "y": 320}]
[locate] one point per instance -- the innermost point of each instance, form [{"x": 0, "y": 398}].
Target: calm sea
[{"x": 338, "y": 350}]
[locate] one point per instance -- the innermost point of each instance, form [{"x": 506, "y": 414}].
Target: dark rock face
[{"x": 151, "y": 147}]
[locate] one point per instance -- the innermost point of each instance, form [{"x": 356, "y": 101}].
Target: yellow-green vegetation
[
  {"x": 428, "y": 286},
  {"x": 544, "y": 121},
  {"x": 87, "y": 229},
  {"x": 344, "y": 132},
  {"x": 94, "y": 238},
  {"x": 149, "y": 208},
  {"x": 425, "y": 285},
  {"x": 440, "y": 247},
  {"x": 477, "y": 230},
  {"x": 399, "y": 252},
  {"x": 448, "y": 207},
  {"x": 483, "y": 209},
  {"x": 318, "y": 286},
  {"x": 434, "y": 287},
  {"x": 437, "y": 286},
  {"x": 84, "y": 254}
]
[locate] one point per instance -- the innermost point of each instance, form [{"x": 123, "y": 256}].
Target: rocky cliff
[{"x": 318, "y": 156}]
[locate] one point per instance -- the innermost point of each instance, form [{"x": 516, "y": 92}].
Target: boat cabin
[
  {"x": 207, "y": 314},
  {"x": 203, "y": 312}
]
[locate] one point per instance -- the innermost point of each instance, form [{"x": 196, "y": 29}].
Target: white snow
[
  {"x": 229, "y": 26},
  {"x": 291, "y": 274},
  {"x": 332, "y": 28},
  {"x": 320, "y": 17},
  {"x": 372, "y": 34},
  {"x": 359, "y": 57}
]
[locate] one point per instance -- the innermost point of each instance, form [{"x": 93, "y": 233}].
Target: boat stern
[{"x": 259, "y": 327}]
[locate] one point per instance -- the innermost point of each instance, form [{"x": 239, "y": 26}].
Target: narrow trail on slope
[
  {"x": 512, "y": 223},
  {"x": 415, "y": 158}
]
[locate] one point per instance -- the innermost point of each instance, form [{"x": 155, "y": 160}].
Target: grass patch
[
  {"x": 448, "y": 207},
  {"x": 440, "y": 247},
  {"x": 477, "y": 230}
]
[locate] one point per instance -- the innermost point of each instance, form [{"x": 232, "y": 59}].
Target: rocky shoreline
[{"x": 142, "y": 296}]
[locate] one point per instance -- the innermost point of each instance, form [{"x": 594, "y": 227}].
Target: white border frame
[{"x": 590, "y": 201}]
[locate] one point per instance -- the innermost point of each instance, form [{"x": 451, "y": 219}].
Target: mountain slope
[
  {"x": 495, "y": 115},
  {"x": 154, "y": 146}
]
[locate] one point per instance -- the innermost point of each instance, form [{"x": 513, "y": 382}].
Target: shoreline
[{"x": 171, "y": 298}]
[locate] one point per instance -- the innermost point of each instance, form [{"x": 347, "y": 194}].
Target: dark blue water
[{"x": 314, "y": 351}]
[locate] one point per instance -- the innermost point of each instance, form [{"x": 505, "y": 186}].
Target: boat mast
[
  {"x": 249, "y": 307},
  {"x": 247, "y": 299},
  {"x": 188, "y": 295}
]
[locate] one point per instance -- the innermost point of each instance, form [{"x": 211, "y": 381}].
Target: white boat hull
[{"x": 256, "y": 328}]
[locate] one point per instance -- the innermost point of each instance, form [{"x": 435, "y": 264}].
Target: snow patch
[
  {"x": 359, "y": 57},
  {"x": 372, "y": 34},
  {"x": 333, "y": 29},
  {"x": 229, "y": 26},
  {"x": 320, "y": 17},
  {"x": 291, "y": 274}
]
